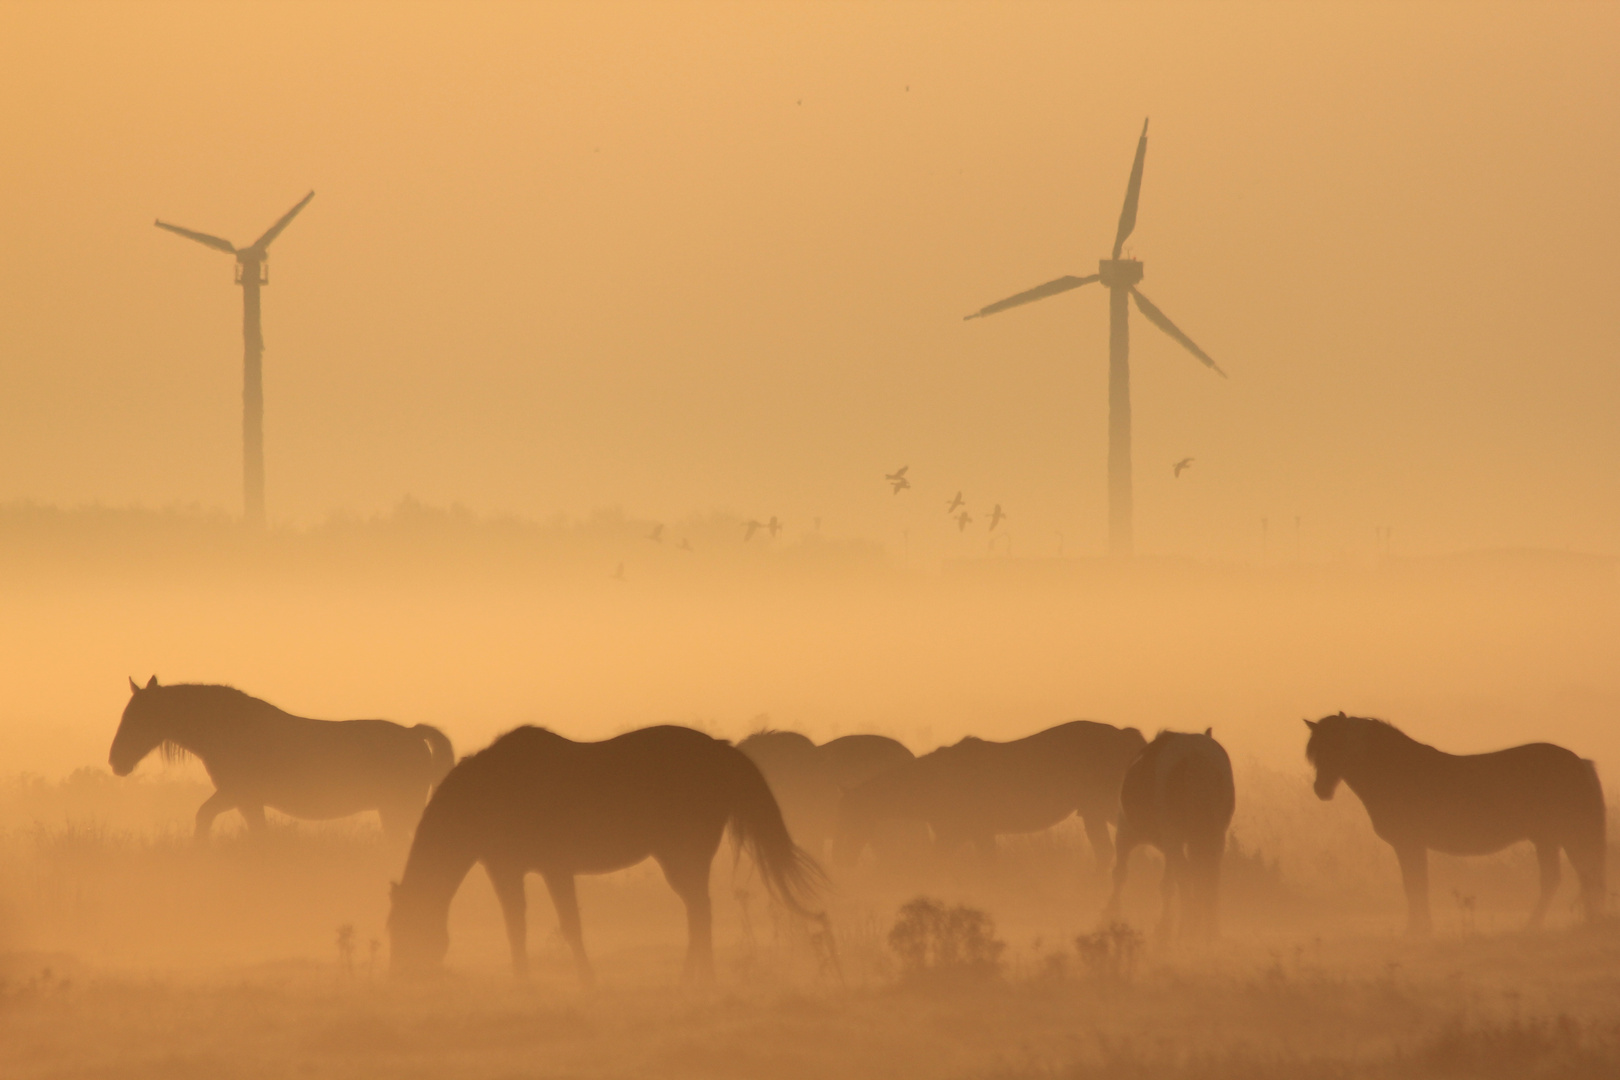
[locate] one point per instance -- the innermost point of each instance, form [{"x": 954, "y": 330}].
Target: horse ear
[
  {"x": 1342, "y": 716},
  {"x": 134, "y": 687},
  {"x": 152, "y": 683},
  {"x": 1209, "y": 732},
  {"x": 1311, "y": 724}
]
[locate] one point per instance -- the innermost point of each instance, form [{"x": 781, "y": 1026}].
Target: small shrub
[
  {"x": 933, "y": 941},
  {"x": 1110, "y": 955}
]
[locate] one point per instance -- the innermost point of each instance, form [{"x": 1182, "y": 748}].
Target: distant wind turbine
[
  {"x": 251, "y": 273},
  {"x": 1120, "y": 276}
]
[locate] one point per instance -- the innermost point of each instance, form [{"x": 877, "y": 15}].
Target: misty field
[
  {"x": 127, "y": 949},
  {"x": 265, "y": 955}
]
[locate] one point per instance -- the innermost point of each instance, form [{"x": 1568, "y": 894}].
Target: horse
[
  {"x": 975, "y": 790},
  {"x": 1178, "y": 796},
  {"x": 805, "y": 788},
  {"x": 535, "y": 801},
  {"x": 808, "y": 780},
  {"x": 259, "y": 756},
  {"x": 1420, "y": 798},
  {"x": 855, "y": 759}
]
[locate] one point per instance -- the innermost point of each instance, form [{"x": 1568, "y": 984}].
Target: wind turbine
[
  {"x": 1120, "y": 276},
  {"x": 251, "y": 273}
]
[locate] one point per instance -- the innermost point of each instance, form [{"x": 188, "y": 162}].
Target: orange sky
[{"x": 683, "y": 257}]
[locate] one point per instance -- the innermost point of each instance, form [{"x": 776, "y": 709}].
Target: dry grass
[{"x": 128, "y": 950}]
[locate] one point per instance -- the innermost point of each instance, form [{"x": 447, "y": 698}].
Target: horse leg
[
  {"x": 1587, "y": 858},
  {"x": 1172, "y": 884},
  {"x": 1414, "y": 860},
  {"x": 253, "y": 814},
  {"x": 399, "y": 821},
  {"x": 1102, "y": 845},
  {"x": 1547, "y": 855},
  {"x": 566, "y": 900},
  {"x": 1122, "y": 863},
  {"x": 690, "y": 880},
  {"x": 508, "y": 882},
  {"x": 1201, "y": 895},
  {"x": 213, "y": 806}
]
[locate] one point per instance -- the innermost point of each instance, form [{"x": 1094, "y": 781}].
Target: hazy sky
[{"x": 685, "y": 257}]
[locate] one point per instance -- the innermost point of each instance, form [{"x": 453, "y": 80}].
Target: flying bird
[
  {"x": 752, "y": 527},
  {"x": 684, "y": 545},
  {"x": 657, "y": 534},
  {"x": 898, "y": 479},
  {"x": 955, "y": 504},
  {"x": 618, "y": 575},
  {"x": 773, "y": 526},
  {"x": 1182, "y": 464},
  {"x": 963, "y": 520},
  {"x": 996, "y": 517}
]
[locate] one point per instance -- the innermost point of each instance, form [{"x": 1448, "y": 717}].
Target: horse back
[
  {"x": 1480, "y": 803},
  {"x": 591, "y": 806}
]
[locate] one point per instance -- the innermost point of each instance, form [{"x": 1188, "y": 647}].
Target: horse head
[
  {"x": 140, "y": 730},
  {"x": 418, "y": 934},
  {"x": 1332, "y": 746}
]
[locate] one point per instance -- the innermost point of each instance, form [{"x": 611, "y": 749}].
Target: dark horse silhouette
[
  {"x": 975, "y": 790},
  {"x": 855, "y": 759},
  {"x": 808, "y": 780},
  {"x": 535, "y": 801},
  {"x": 804, "y": 787},
  {"x": 259, "y": 756},
  {"x": 1178, "y": 796},
  {"x": 1466, "y": 804}
]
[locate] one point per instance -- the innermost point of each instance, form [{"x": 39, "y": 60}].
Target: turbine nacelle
[{"x": 1119, "y": 273}]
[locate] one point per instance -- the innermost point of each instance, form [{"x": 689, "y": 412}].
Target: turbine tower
[
  {"x": 252, "y": 271},
  {"x": 1120, "y": 276}
]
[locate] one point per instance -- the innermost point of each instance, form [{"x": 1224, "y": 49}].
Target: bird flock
[{"x": 955, "y": 510}]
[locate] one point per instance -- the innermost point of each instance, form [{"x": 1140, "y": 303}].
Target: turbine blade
[
  {"x": 201, "y": 237},
  {"x": 1133, "y": 191},
  {"x": 1159, "y": 319},
  {"x": 1039, "y": 292},
  {"x": 286, "y": 219}
]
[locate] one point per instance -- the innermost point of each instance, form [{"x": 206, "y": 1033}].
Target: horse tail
[
  {"x": 1594, "y": 809},
  {"x": 442, "y": 754},
  {"x": 789, "y": 872}
]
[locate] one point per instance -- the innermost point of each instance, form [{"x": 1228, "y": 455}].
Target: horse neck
[
  {"x": 197, "y": 725},
  {"x": 1387, "y": 762},
  {"x": 440, "y": 858}
]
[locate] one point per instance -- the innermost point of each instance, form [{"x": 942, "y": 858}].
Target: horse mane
[
  {"x": 206, "y": 695},
  {"x": 1381, "y": 733},
  {"x": 173, "y": 753}
]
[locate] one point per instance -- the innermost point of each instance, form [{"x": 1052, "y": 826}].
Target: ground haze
[{"x": 583, "y": 372}]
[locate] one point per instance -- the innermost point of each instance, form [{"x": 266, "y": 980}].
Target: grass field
[{"x": 130, "y": 951}]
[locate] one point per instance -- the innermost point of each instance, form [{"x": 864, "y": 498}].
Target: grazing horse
[
  {"x": 259, "y": 756},
  {"x": 535, "y": 801},
  {"x": 975, "y": 790},
  {"x": 855, "y": 759},
  {"x": 1466, "y": 804},
  {"x": 1178, "y": 796},
  {"x": 805, "y": 789},
  {"x": 808, "y": 780}
]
